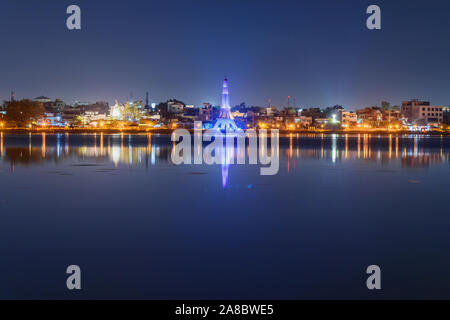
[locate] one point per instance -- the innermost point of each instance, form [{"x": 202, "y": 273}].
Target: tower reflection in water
[{"x": 144, "y": 150}]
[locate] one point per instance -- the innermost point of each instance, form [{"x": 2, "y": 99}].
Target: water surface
[{"x": 141, "y": 227}]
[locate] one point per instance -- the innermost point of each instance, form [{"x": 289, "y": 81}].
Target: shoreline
[{"x": 169, "y": 131}]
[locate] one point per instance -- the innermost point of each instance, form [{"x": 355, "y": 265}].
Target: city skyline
[
  {"x": 134, "y": 98},
  {"x": 268, "y": 50}
]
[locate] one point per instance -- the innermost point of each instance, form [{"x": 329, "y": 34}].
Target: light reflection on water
[
  {"x": 149, "y": 150},
  {"x": 117, "y": 206},
  {"x": 411, "y": 151}
]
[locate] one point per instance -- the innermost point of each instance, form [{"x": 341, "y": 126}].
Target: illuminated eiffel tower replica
[{"x": 225, "y": 122}]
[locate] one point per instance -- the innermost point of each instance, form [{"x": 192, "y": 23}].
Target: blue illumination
[{"x": 225, "y": 122}]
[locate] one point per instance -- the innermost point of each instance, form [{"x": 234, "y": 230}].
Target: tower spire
[
  {"x": 225, "y": 120},
  {"x": 225, "y": 92}
]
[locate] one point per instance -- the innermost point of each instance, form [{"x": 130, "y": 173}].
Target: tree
[
  {"x": 130, "y": 112},
  {"x": 23, "y": 111}
]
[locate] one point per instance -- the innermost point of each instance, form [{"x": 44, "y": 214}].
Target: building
[
  {"x": 431, "y": 114},
  {"x": 368, "y": 115},
  {"x": 81, "y": 103},
  {"x": 53, "y": 120},
  {"x": 303, "y": 121},
  {"x": 321, "y": 121},
  {"x": 206, "y": 113},
  {"x": 271, "y": 111},
  {"x": 314, "y": 113},
  {"x": 43, "y": 99},
  {"x": 347, "y": 117},
  {"x": 68, "y": 114},
  {"x": 54, "y": 106},
  {"x": 175, "y": 107},
  {"x": 147, "y": 106},
  {"x": 94, "y": 116},
  {"x": 190, "y": 114},
  {"x": 446, "y": 114},
  {"x": 238, "y": 114},
  {"x": 409, "y": 108},
  {"x": 391, "y": 115},
  {"x": 421, "y": 112}
]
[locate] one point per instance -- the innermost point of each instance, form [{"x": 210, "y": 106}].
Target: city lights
[{"x": 172, "y": 114}]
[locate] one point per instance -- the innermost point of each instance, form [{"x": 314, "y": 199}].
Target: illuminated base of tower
[
  {"x": 225, "y": 121},
  {"x": 226, "y": 125}
]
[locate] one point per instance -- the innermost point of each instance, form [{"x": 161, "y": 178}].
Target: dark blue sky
[{"x": 317, "y": 51}]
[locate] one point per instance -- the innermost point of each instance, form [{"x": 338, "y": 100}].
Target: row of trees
[{"x": 23, "y": 111}]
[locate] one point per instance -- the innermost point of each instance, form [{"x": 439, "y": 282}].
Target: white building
[
  {"x": 421, "y": 111},
  {"x": 305, "y": 121},
  {"x": 271, "y": 111},
  {"x": 347, "y": 116}
]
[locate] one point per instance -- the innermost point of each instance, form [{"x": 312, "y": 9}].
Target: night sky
[{"x": 317, "y": 51}]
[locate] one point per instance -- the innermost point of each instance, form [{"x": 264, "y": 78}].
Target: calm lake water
[{"x": 141, "y": 227}]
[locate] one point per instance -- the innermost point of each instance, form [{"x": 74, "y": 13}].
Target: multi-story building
[
  {"x": 369, "y": 115},
  {"x": 175, "y": 107},
  {"x": 432, "y": 114},
  {"x": 53, "y": 120},
  {"x": 391, "y": 115},
  {"x": 347, "y": 117},
  {"x": 303, "y": 121},
  {"x": 93, "y": 116},
  {"x": 409, "y": 108},
  {"x": 446, "y": 114},
  {"x": 206, "y": 113},
  {"x": 54, "y": 106},
  {"x": 271, "y": 111},
  {"x": 321, "y": 122},
  {"x": 416, "y": 111}
]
